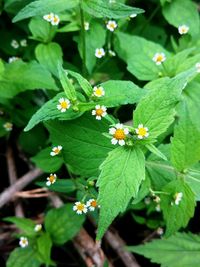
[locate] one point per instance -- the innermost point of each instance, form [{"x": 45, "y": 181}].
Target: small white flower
[
  {"x": 111, "y": 25},
  {"x": 51, "y": 179},
  {"x": 99, "y": 112},
  {"x": 119, "y": 134},
  {"x": 64, "y": 104},
  {"x": 80, "y": 207},
  {"x": 198, "y": 67},
  {"x": 111, "y": 53},
  {"x": 112, "y": 1},
  {"x": 15, "y": 44},
  {"x": 55, "y": 150},
  {"x": 48, "y": 17},
  {"x": 8, "y": 126},
  {"x": 178, "y": 197},
  {"x": 92, "y": 204},
  {"x": 23, "y": 43},
  {"x": 157, "y": 208},
  {"x": 142, "y": 131},
  {"x": 156, "y": 199},
  {"x": 160, "y": 231},
  {"x": 38, "y": 228},
  {"x": 23, "y": 242},
  {"x": 133, "y": 15},
  {"x": 183, "y": 29},
  {"x": 55, "y": 20},
  {"x": 100, "y": 52},
  {"x": 98, "y": 91},
  {"x": 147, "y": 200},
  {"x": 159, "y": 58},
  {"x": 12, "y": 59},
  {"x": 86, "y": 26}
]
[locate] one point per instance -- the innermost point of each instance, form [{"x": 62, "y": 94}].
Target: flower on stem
[
  {"x": 92, "y": 204},
  {"x": 119, "y": 134},
  {"x": 98, "y": 91},
  {"x": 99, "y": 112},
  {"x": 51, "y": 179},
  {"x": 55, "y": 20},
  {"x": 142, "y": 131},
  {"x": 198, "y": 67},
  {"x": 48, "y": 17},
  {"x": 159, "y": 58},
  {"x": 64, "y": 104},
  {"x": 55, "y": 150},
  {"x": 111, "y": 25},
  {"x": 111, "y": 53},
  {"x": 8, "y": 126},
  {"x": 80, "y": 207},
  {"x": 23, "y": 242},
  {"x": 183, "y": 29},
  {"x": 177, "y": 198},
  {"x": 15, "y": 44},
  {"x": 38, "y": 228},
  {"x": 13, "y": 59},
  {"x": 86, "y": 26},
  {"x": 23, "y": 42},
  {"x": 99, "y": 52}
]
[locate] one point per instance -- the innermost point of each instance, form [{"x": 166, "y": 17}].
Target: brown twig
[{"x": 9, "y": 193}]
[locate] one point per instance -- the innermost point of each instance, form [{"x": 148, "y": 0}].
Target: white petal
[
  {"x": 75, "y": 208},
  {"x": 103, "y": 108},
  {"x": 79, "y": 212},
  {"x": 104, "y": 114},
  {"x": 98, "y": 118},
  {"x": 85, "y": 210},
  {"x": 59, "y": 107},
  {"x": 93, "y": 112},
  {"x": 112, "y": 130},
  {"x": 60, "y": 147},
  {"x": 140, "y": 126},
  {"x": 140, "y": 137},
  {"x": 48, "y": 183},
  {"x": 119, "y": 126},
  {"x": 63, "y": 109},
  {"x": 97, "y": 106},
  {"x": 146, "y": 135},
  {"x": 121, "y": 142},
  {"x": 114, "y": 141},
  {"x": 137, "y": 130},
  {"x": 52, "y": 153},
  {"x": 126, "y": 130}
]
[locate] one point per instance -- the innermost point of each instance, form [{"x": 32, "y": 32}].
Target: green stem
[{"x": 84, "y": 70}]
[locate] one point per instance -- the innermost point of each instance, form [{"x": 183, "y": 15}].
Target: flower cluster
[
  {"x": 52, "y": 18},
  {"x": 15, "y": 44},
  {"x": 51, "y": 179},
  {"x": 80, "y": 207},
  {"x": 64, "y": 104}
]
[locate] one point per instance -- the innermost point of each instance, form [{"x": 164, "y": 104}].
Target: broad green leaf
[
  {"x": 70, "y": 27},
  {"x": 84, "y": 146},
  {"x": 115, "y": 10},
  {"x": 116, "y": 93},
  {"x": 180, "y": 250},
  {"x": 156, "y": 151},
  {"x": 192, "y": 178},
  {"x": 44, "y": 161},
  {"x": 49, "y": 55},
  {"x": 49, "y": 111},
  {"x": 24, "y": 224},
  {"x": 43, "y": 7},
  {"x": 117, "y": 187},
  {"x": 185, "y": 143},
  {"x": 177, "y": 216},
  {"x": 63, "y": 224},
  {"x": 41, "y": 30},
  {"x": 20, "y": 76},
  {"x": 61, "y": 185},
  {"x": 157, "y": 109},
  {"x": 26, "y": 257},
  {"x": 44, "y": 245},
  {"x": 13, "y": 6},
  {"x": 140, "y": 63},
  {"x": 182, "y": 12},
  {"x": 188, "y": 63}
]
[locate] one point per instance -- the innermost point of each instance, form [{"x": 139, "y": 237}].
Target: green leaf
[
  {"x": 182, "y": 12},
  {"x": 25, "y": 225},
  {"x": 46, "y": 162},
  {"x": 192, "y": 178},
  {"x": 26, "y": 257},
  {"x": 115, "y": 10},
  {"x": 20, "y": 76},
  {"x": 44, "y": 245},
  {"x": 117, "y": 187},
  {"x": 42, "y": 7},
  {"x": 63, "y": 224},
  {"x": 61, "y": 185},
  {"x": 49, "y": 111},
  {"x": 185, "y": 142},
  {"x": 84, "y": 146},
  {"x": 180, "y": 250},
  {"x": 156, "y": 151},
  {"x": 177, "y": 216},
  {"x": 49, "y": 55},
  {"x": 157, "y": 109},
  {"x": 140, "y": 62},
  {"x": 85, "y": 85},
  {"x": 116, "y": 93}
]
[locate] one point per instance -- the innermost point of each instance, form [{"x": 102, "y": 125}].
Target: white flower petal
[
  {"x": 93, "y": 112},
  {"x": 126, "y": 131},
  {"x": 98, "y": 118},
  {"x": 114, "y": 141},
  {"x": 112, "y": 130},
  {"x": 121, "y": 142}
]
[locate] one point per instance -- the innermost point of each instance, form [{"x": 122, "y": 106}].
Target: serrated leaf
[
  {"x": 25, "y": 225},
  {"x": 49, "y": 111},
  {"x": 84, "y": 146},
  {"x": 157, "y": 109},
  {"x": 140, "y": 62},
  {"x": 85, "y": 85},
  {"x": 49, "y": 55},
  {"x": 115, "y": 10},
  {"x": 61, "y": 185},
  {"x": 44, "y": 161},
  {"x": 192, "y": 178},
  {"x": 116, "y": 188},
  {"x": 156, "y": 151},
  {"x": 44, "y": 245},
  {"x": 63, "y": 224},
  {"x": 180, "y": 250},
  {"x": 177, "y": 216},
  {"x": 42, "y": 7},
  {"x": 182, "y": 12}
]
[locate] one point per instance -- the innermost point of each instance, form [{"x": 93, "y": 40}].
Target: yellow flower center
[
  {"x": 119, "y": 134},
  {"x": 24, "y": 241},
  {"x": 93, "y": 203},
  {"x": 142, "y": 131},
  {"x": 80, "y": 207},
  {"x": 112, "y": 25},
  {"x": 56, "y": 150},
  {"x": 99, "y": 112},
  {"x": 55, "y": 19},
  {"x": 159, "y": 58},
  {"x": 98, "y": 91},
  {"x": 51, "y": 178},
  {"x": 49, "y": 16},
  {"x": 64, "y": 104}
]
